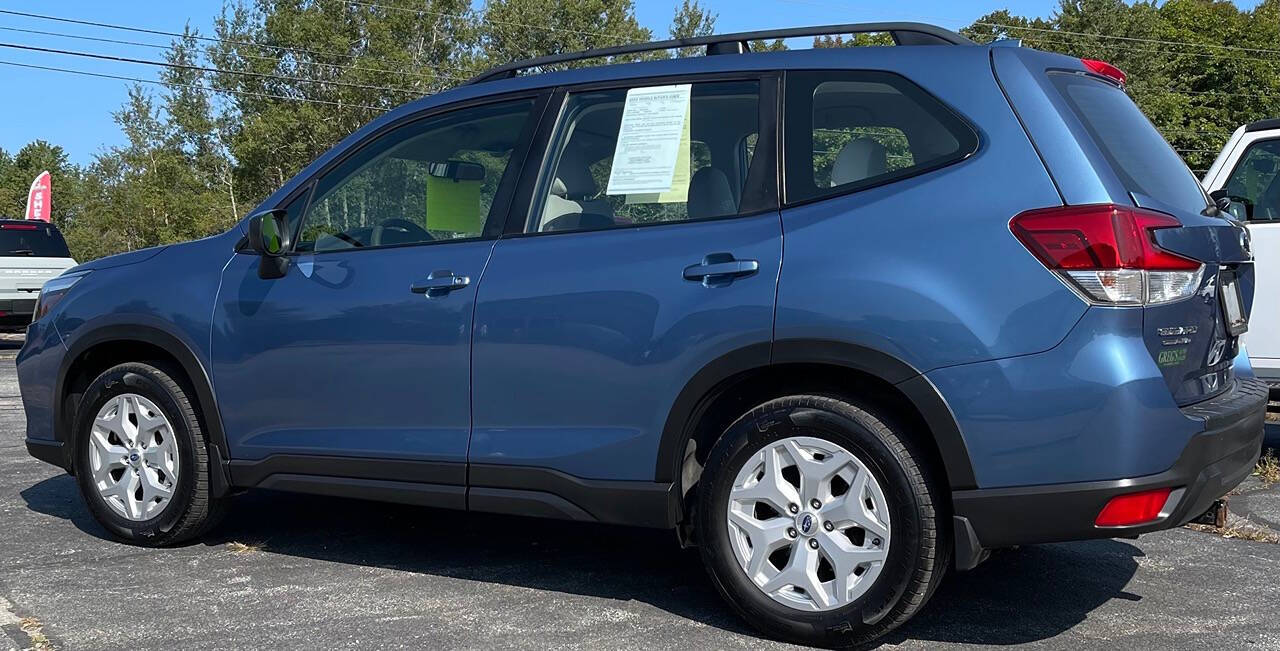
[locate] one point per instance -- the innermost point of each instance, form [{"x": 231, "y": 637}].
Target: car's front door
[
  {"x": 1256, "y": 180},
  {"x": 651, "y": 249},
  {"x": 357, "y": 363}
]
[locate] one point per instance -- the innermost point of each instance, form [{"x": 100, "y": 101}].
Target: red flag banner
[{"x": 39, "y": 198}]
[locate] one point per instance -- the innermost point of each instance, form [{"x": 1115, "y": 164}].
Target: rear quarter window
[
  {"x": 1136, "y": 152},
  {"x": 850, "y": 130}
]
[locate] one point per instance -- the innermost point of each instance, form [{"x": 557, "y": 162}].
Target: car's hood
[{"x": 119, "y": 259}]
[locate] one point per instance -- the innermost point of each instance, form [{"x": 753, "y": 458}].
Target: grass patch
[
  {"x": 237, "y": 547},
  {"x": 1240, "y": 530},
  {"x": 1268, "y": 469},
  {"x": 35, "y": 632}
]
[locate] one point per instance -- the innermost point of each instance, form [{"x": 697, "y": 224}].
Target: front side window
[
  {"x": 1256, "y": 179},
  {"x": 430, "y": 180},
  {"x": 625, "y": 157},
  {"x": 851, "y": 130}
]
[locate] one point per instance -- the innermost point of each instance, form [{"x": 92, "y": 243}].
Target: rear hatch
[
  {"x": 1193, "y": 261},
  {"x": 30, "y": 254}
]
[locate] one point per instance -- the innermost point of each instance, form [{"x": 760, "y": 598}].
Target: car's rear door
[
  {"x": 617, "y": 287},
  {"x": 1101, "y": 149}
]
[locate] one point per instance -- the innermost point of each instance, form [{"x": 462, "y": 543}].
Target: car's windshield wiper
[{"x": 20, "y": 252}]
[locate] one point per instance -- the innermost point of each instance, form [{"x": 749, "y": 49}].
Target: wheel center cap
[
  {"x": 134, "y": 458},
  {"x": 807, "y": 524}
]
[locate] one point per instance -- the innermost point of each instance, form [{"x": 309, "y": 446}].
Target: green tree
[{"x": 691, "y": 20}]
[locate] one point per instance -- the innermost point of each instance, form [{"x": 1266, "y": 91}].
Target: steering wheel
[{"x": 418, "y": 233}]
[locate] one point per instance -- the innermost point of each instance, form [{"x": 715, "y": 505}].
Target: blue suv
[{"x": 844, "y": 319}]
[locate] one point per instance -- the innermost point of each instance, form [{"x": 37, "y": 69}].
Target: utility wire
[
  {"x": 210, "y": 89},
  {"x": 260, "y": 57},
  {"x": 184, "y": 66},
  {"x": 491, "y": 21}
]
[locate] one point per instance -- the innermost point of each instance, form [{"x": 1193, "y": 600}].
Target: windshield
[
  {"x": 1138, "y": 154},
  {"x": 32, "y": 240}
]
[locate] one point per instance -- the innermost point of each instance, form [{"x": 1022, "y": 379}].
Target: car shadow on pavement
[{"x": 1023, "y": 595}]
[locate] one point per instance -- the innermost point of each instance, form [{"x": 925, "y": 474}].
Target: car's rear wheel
[
  {"x": 141, "y": 458},
  {"x": 818, "y": 522}
]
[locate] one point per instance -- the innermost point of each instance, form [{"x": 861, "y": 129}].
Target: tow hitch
[{"x": 1216, "y": 516}]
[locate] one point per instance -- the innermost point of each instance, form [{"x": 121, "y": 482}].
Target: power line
[
  {"x": 491, "y": 21},
  {"x": 183, "y": 66},
  {"x": 1136, "y": 39},
  {"x": 260, "y": 57},
  {"x": 210, "y": 89}
]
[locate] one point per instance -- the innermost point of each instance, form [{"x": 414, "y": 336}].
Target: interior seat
[
  {"x": 710, "y": 194},
  {"x": 860, "y": 158}
]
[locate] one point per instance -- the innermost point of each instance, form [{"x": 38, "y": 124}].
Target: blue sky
[{"x": 74, "y": 111}]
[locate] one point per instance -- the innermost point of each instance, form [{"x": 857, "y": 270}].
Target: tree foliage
[{"x": 281, "y": 81}]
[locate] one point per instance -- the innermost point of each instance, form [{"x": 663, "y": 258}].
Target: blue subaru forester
[{"x": 842, "y": 318}]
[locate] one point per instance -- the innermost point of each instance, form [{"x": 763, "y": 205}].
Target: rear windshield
[
  {"x": 32, "y": 240},
  {"x": 1138, "y": 154}
]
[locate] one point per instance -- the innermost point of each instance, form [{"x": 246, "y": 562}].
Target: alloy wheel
[
  {"x": 808, "y": 523},
  {"x": 133, "y": 457}
]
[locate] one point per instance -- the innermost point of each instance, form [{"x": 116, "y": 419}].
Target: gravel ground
[{"x": 298, "y": 572}]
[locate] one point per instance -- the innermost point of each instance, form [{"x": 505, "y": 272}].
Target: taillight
[
  {"x": 1105, "y": 69},
  {"x": 1109, "y": 252},
  {"x": 1134, "y": 508}
]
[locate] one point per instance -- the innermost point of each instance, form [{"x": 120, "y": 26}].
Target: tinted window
[
  {"x": 707, "y": 160},
  {"x": 1257, "y": 179},
  {"x": 852, "y": 130},
  {"x": 433, "y": 179},
  {"x": 1137, "y": 153},
  {"x": 32, "y": 239}
]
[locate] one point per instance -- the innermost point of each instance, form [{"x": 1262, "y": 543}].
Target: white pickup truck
[
  {"x": 1248, "y": 173},
  {"x": 31, "y": 252}
]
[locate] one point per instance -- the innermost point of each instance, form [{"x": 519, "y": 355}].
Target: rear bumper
[
  {"x": 1211, "y": 464},
  {"x": 16, "y": 312}
]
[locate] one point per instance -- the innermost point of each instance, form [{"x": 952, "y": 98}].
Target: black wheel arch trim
[
  {"x": 179, "y": 350},
  {"x": 917, "y": 389}
]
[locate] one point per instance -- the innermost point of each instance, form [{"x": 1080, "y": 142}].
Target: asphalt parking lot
[{"x": 298, "y": 572}]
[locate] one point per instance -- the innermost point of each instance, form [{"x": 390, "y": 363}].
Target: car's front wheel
[
  {"x": 818, "y": 522},
  {"x": 141, "y": 458}
]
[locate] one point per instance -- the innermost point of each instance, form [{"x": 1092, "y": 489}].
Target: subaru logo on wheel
[
  {"x": 133, "y": 456},
  {"x": 806, "y": 523}
]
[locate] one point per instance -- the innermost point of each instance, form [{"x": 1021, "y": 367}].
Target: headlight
[{"x": 53, "y": 291}]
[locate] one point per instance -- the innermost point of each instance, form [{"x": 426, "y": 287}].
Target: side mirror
[
  {"x": 270, "y": 238},
  {"x": 1239, "y": 207}
]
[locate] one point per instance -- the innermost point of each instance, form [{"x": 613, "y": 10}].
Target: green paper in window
[{"x": 453, "y": 197}]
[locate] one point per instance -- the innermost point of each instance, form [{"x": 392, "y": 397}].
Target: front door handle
[
  {"x": 440, "y": 283},
  {"x": 718, "y": 269}
]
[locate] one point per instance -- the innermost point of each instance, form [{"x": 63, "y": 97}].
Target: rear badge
[{"x": 1172, "y": 357}]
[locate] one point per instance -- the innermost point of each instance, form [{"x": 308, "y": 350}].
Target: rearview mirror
[
  {"x": 457, "y": 170},
  {"x": 269, "y": 237}
]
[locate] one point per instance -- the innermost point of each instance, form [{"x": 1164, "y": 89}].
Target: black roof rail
[
  {"x": 1262, "y": 125},
  {"x": 903, "y": 33}
]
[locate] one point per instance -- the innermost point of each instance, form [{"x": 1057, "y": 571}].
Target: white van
[
  {"x": 1248, "y": 172},
  {"x": 31, "y": 252}
]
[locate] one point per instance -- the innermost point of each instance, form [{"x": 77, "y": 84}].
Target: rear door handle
[
  {"x": 440, "y": 283},
  {"x": 720, "y": 269}
]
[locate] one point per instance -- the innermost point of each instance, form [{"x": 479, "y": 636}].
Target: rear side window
[
  {"x": 32, "y": 239},
  {"x": 851, "y": 130},
  {"x": 1137, "y": 153}
]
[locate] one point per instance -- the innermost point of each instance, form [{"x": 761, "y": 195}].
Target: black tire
[
  {"x": 193, "y": 509},
  {"x": 919, "y": 553}
]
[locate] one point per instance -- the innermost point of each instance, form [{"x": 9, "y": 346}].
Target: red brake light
[
  {"x": 1135, "y": 508},
  {"x": 1102, "y": 236},
  {"x": 20, "y": 227},
  {"x": 1105, "y": 69}
]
